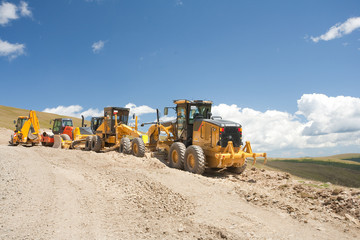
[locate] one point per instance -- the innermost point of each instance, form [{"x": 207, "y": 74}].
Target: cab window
[
  {"x": 198, "y": 111},
  {"x": 67, "y": 123},
  {"x": 181, "y": 119}
]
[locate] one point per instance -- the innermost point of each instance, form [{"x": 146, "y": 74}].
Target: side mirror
[
  {"x": 50, "y": 128},
  {"x": 134, "y": 116},
  {"x": 14, "y": 121},
  {"x": 85, "y": 125},
  {"x": 166, "y": 111},
  {"x": 16, "y": 125}
]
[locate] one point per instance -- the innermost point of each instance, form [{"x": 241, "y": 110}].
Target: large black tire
[
  {"x": 138, "y": 147},
  {"x": 88, "y": 143},
  {"x": 125, "y": 145},
  {"x": 177, "y": 155},
  {"x": 194, "y": 160},
  {"x": 238, "y": 170},
  {"x": 96, "y": 144},
  {"x": 65, "y": 137}
]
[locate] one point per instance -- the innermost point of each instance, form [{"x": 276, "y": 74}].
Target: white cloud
[
  {"x": 329, "y": 122},
  {"x": 98, "y": 46},
  {"x": 327, "y": 115},
  {"x": 77, "y": 110},
  {"x": 167, "y": 118},
  {"x": 24, "y": 9},
  {"x": 140, "y": 110},
  {"x": 9, "y": 12},
  {"x": 179, "y": 3},
  {"x": 339, "y": 30},
  {"x": 74, "y": 111},
  {"x": 10, "y": 50}
]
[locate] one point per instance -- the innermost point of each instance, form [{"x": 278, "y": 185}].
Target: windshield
[
  {"x": 68, "y": 123},
  {"x": 20, "y": 123},
  {"x": 198, "y": 111}
]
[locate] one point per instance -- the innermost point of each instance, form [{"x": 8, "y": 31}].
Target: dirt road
[{"x": 70, "y": 194}]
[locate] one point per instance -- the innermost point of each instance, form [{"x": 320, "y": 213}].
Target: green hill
[
  {"x": 9, "y": 114},
  {"x": 342, "y": 169}
]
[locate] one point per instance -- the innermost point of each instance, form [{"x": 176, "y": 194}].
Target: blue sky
[{"x": 266, "y": 56}]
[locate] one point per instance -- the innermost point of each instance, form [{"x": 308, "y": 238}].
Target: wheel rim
[
  {"x": 135, "y": 149},
  {"x": 191, "y": 161},
  {"x": 175, "y": 156}
]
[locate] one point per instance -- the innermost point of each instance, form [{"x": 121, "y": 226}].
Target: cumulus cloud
[
  {"x": 329, "y": 114},
  {"x": 24, "y": 9},
  {"x": 77, "y": 110},
  {"x": 74, "y": 111},
  {"x": 98, "y": 46},
  {"x": 10, "y": 50},
  {"x": 329, "y": 122},
  {"x": 339, "y": 30},
  {"x": 9, "y": 12},
  {"x": 140, "y": 110}
]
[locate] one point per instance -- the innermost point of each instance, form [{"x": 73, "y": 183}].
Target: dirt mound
[{"x": 92, "y": 195}]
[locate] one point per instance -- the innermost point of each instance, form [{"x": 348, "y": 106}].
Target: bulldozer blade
[{"x": 57, "y": 141}]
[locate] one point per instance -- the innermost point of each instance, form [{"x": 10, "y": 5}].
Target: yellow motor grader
[
  {"x": 112, "y": 132},
  {"x": 197, "y": 140},
  {"x": 27, "y": 130}
]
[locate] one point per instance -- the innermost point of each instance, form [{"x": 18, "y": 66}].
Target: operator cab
[
  {"x": 60, "y": 124},
  {"x": 20, "y": 123},
  {"x": 122, "y": 117},
  {"x": 187, "y": 112},
  {"x": 96, "y": 122}
]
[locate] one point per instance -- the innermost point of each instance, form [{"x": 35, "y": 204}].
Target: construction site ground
[{"x": 51, "y": 193}]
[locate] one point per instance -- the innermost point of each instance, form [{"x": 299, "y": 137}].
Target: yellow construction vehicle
[
  {"x": 27, "y": 130},
  {"x": 197, "y": 140},
  {"x": 112, "y": 132}
]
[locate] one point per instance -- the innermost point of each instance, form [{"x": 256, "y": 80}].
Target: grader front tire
[
  {"x": 194, "y": 160},
  {"x": 96, "y": 144},
  {"x": 125, "y": 145},
  {"x": 177, "y": 155},
  {"x": 138, "y": 147}
]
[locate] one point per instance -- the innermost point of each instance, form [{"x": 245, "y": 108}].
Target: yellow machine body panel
[{"x": 208, "y": 137}]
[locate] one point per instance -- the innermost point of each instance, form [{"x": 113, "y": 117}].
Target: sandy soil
[{"x": 71, "y": 194}]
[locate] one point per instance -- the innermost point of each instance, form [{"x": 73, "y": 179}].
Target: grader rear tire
[
  {"x": 238, "y": 170},
  {"x": 125, "y": 145},
  {"x": 194, "y": 161},
  {"x": 96, "y": 144},
  {"x": 138, "y": 147},
  {"x": 177, "y": 155},
  {"x": 88, "y": 143}
]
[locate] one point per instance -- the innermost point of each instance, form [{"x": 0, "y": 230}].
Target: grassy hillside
[
  {"x": 9, "y": 114},
  {"x": 341, "y": 169}
]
